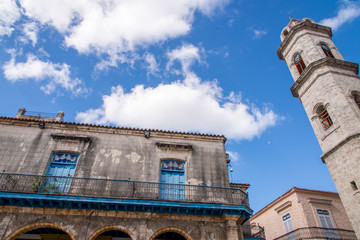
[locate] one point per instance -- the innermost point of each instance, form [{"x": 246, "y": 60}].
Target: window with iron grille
[
  {"x": 326, "y": 50},
  {"x": 325, "y": 118},
  {"x": 299, "y": 63}
]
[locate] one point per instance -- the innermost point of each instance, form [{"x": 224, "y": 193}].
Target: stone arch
[
  {"x": 171, "y": 229},
  {"x": 317, "y": 107},
  {"x": 33, "y": 226},
  {"x": 109, "y": 228}
]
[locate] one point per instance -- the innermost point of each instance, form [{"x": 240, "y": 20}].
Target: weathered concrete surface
[{"x": 111, "y": 153}]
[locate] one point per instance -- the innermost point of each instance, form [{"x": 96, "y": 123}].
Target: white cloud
[
  {"x": 347, "y": 13},
  {"x": 30, "y": 31},
  {"x": 190, "y": 106},
  {"x": 9, "y": 14},
  {"x": 187, "y": 54},
  {"x": 55, "y": 75},
  {"x": 114, "y": 27},
  {"x": 259, "y": 33},
  {"x": 152, "y": 65},
  {"x": 234, "y": 156}
]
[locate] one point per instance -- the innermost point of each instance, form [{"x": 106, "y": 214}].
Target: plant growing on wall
[{"x": 44, "y": 184}]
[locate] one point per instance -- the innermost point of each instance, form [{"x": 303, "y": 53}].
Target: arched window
[
  {"x": 324, "y": 116},
  {"x": 326, "y": 50},
  {"x": 299, "y": 63}
]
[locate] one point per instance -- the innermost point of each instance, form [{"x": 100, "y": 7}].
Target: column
[{"x": 231, "y": 227}]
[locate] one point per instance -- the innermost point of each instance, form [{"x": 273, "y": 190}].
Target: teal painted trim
[{"x": 116, "y": 204}]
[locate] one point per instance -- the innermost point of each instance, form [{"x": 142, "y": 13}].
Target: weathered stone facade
[
  {"x": 329, "y": 89},
  {"x": 115, "y": 183}
]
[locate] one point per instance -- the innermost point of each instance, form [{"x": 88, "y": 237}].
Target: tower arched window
[
  {"x": 326, "y": 50},
  {"x": 299, "y": 63},
  {"x": 324, "y": 116}
]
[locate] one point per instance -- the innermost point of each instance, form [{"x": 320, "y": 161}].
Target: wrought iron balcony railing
[
  {"x": 112, "y": 188},
  {"x": 319, "y": 233}
]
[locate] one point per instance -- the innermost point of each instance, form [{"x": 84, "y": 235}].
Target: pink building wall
[{"x": 302, "y": 205}]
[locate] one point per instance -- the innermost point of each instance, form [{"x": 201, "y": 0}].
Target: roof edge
[{"x": 222, "y": 137}]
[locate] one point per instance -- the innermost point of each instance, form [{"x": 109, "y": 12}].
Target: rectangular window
[
  {"x": 327, "y": 223},
  {"x": 288, "y": 223},
  {"x": 60, "y": 173},
  {"x": 325, "y": 219},
  {"x": 172, "y": 180},
  {"x": 325, "y": 119}
]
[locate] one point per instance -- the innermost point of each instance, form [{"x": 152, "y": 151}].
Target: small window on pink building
[{"x": 288, "y": 224}]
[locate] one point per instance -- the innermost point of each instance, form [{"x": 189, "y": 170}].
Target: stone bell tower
[{"x": 329, "y": 89}]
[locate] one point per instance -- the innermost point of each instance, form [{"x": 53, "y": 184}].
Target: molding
[
  {"x": 327, "y": 61},
  {"x": 283, "y": 206},
  {"x": 70, "y": 137},
  {"x": 319, "y": 201},
  {"x": 343, "y": 142},
  {"x": 174, "y": 146},
  {"x": 332, "y": 129}
]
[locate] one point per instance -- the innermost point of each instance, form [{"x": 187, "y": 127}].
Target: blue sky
[{"x": 192, "y": 65}]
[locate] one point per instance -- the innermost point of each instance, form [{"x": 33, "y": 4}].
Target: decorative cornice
[
  {"x": 174, "y": 146},
  {"x": 327, "y": 61},
  {"x": 297, "y": 28},
  {"x": 70, "y": 137},
  {"x": 319, "y": 201},
  {"x": 283, "y": 206}
]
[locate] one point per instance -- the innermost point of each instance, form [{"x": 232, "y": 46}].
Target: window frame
[
  {"x": 327, "y": 51},
  {"x": 288, "y": 223},
  {"x": 300, "y": 65}
]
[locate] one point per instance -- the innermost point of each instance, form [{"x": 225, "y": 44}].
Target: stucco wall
[{"x": 111, "y": 153}]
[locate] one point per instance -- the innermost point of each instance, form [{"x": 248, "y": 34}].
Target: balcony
[
  {"x": 318, "y": 233},
  {"x": 120, "y": 195}
]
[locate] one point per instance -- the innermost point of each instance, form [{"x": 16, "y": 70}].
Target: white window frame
[
  {"x": 325, "y": 220},
  {"x": 288, "y": 224}
]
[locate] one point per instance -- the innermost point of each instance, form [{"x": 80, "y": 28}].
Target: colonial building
[
  {"x": 304, "y": 214},
  {"x": 329, "y": 89},
  {"x": 63, "y": 180}
]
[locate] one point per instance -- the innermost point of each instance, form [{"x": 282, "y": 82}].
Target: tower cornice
[
  {"x": 333, "y": 62},
  {"x": 301, "y": 26}
]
